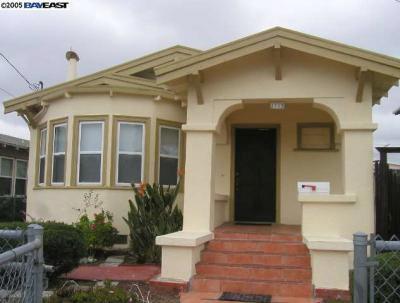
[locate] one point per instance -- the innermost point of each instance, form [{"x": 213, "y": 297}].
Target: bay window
[
  {"x": 169, "y": 142},
  {"x": 21, "y": 177},
  {"x": 59, "y": 149},
  {"x": 90, "y": 152},
  {"x": 130, "y": 153},
  {"x": 42, "y": 156},
  {"x": 6, "y": 176}
]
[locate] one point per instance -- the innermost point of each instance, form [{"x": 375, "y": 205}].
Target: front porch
[
  {"x": 268, "y": 260},
  {"x": 320, "y": 223},
  {"x": 317, "y": 114}
]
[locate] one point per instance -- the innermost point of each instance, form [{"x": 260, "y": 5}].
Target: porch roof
[{"x": 386, "y": 69}]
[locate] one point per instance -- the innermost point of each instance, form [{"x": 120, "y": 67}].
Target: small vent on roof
[{"x": 146, "y": 74}]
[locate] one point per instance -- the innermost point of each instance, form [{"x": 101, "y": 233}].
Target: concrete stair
[{"x": 255, "y": 260}]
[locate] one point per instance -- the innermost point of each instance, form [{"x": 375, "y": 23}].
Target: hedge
[
  {"x": 12, "y": 209},
  {"x": 64, "y": 245}
]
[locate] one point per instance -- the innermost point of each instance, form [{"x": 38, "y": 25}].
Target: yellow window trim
[
  {"x": 328, "y": 125},
  {"x": 75, "y": 144},
  {"x": 37, "y": 160},
  {"x": 49, "y": 156},
  {"x": 132, "y": 119},
  {"x": 182, "y": 140}
]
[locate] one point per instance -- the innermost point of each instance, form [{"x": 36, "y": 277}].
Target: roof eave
[
  {"x": 36, "y": 97},
  {"x": 287, "y": 38}
]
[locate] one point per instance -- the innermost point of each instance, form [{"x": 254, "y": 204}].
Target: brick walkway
[{"x": 115, "y": 273}]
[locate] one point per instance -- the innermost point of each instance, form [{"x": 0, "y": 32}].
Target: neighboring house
[
  {"x": 14, "y": 154},
  {"x": 253, "y": 121},
  {"x": 394, "y": 166}
]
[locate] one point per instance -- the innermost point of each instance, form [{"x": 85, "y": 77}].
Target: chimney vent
[{"x": 72, "y": 59}]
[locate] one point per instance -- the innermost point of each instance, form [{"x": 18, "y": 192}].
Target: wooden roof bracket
[
  {"x": 42, "y": 112},
  {"x": 195, "y": 80},
  {"x": 361, "y": 77},
  {"x": 277, "y": 59}
]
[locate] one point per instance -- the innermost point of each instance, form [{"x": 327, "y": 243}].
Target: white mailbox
[{"x": 313, "y": 187}]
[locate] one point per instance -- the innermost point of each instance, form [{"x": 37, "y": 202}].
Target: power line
[
  {"x": 32, "y": 86},
  {"x": 8, "y": 93}
]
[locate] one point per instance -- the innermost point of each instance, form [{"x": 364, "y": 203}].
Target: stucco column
[
  {"x": 357, "y": 172},
  {"x": 198, "y": 210},
  {"x": 181, "y": 250}
]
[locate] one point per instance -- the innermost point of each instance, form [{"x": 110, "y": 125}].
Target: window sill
[
  {"x": 87, "y": 187},
  {"x": 316, "y": 150}
]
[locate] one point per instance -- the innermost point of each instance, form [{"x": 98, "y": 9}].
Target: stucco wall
[
  {"x": 58, "y": 203},
  {"x": 293, "y": 165}
]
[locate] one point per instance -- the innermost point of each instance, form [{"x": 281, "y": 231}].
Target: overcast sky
[{"x": 105, "y": 33}]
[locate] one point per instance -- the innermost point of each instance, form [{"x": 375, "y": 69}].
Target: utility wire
[
  {"x": 32, "y": 86},
  {"x": 8, "y": 93}
]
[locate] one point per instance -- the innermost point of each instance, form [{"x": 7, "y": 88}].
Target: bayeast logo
[{"x": 45, "y": 5}]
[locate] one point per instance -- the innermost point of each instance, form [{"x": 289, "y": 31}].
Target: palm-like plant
[{"x": 153, "y": 213}]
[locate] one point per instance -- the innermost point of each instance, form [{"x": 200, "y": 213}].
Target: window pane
[
  {"x": 89, "y": 168},
  {"x": 168, "y": 171},
  {"x": 129, "y": 168},
  {"x": 60, "y": 136},
  {"x": 22, "y": 167},
  {"x": 5, "y": 186},
  {"x": 6, "y": 167},
  {"x": 91, "y": 136},
  {"x": 169, "y": 141},
  {"x": 130, "y": 137},
  {"x": 43, "y": 135},
  {"x": 20, "y": 187},
  {"x": 58, "y": 168},
  {"x": 41, "y": 170}
]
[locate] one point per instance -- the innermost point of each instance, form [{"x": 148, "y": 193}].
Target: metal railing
[
  {"x": 377, "y": 276},
  {"x": 21, "y": 265}
]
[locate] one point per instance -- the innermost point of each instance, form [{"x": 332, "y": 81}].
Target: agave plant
[{"x": 153, "y": 213}]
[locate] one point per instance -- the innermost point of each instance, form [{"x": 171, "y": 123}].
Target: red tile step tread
[
  {"x": 286, "y": 248},
  {"x": 255, "y": 258},
  {"x": 203, "y": 283},
  {"x": 211, "y": 297},
  {"x": 255, "y": 273}
]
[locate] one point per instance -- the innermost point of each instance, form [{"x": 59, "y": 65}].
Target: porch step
[
  {"x": 262, "y": 246},
  {"x": 265, "y": 260},
  {"x": 254, "y": 272},
  {"x": 212, "y": 297},
  {"x": 255, "y": 258},
  {"x": 273, "y": 237},
  {"x": 203, "y": 283}
]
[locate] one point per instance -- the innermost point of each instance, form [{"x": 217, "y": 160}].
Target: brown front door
[{"x": 255, "y": 175}]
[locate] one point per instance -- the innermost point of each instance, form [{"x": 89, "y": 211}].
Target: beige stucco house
[{"x": 272, "y": 128}]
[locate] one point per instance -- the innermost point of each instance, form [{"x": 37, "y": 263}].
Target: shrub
[
  {"x": 63, "y": 244},
  {"x": 98, "y": 233},
  {"x": 12, "y": 209},
  {"x": 155, "y": 213},
  {"x": 388, "y": 277},
  {"x": 108, "y": 293}
]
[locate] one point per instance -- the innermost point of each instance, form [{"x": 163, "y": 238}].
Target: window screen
[
  {"x": 169, "y": 155},
  {"x": 130, "y": 152},
  {"x": 90, "y": 152},
  {"x": 59, "y": 146}
]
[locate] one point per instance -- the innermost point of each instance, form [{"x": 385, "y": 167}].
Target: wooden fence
[{"x": 387, "y": 195}]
